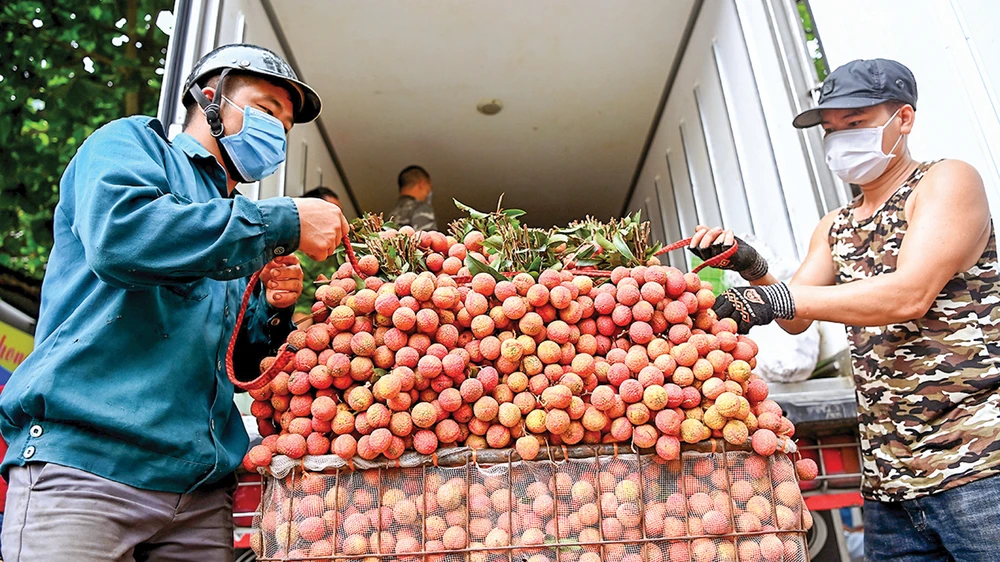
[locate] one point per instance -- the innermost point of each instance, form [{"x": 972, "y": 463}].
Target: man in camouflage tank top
[{"x": 910, "y": 267}]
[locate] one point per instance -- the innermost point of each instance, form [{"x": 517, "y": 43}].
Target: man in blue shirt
[{"x": 121, "y": 424}]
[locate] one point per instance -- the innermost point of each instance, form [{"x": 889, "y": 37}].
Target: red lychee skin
[
  {"x": 260, "y": 456},
  {"x": 806, "y": 469},
  {"x": 602, "y": 397},
  {"x": 489, "y": 378},
  {"x": 668, "y": 447},
  {"x": 312, "y": 529},
  {"x": 317, "y": 444},
  {"x": 557, "y": 396},
  {"x": 631, "y": 391},
  {"x": 450, "y": 399},
  {"x": 756, "y": 390},
  {"x": 486, "y": 408},
  {"x": 317, "y": 337},
  {"x": 471, "y": 390},
  {"x": 425, "y": 441},
  {"x": 771, "y": 548},
  {"x": 291, "y": 445},
  {"x": 323, "y": 408},
  {"x": 640, "y": 332},
  {"x": 764, "y": 442},
  {"x": 345, "y": 446}
]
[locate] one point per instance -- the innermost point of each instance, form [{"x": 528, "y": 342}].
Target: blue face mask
[{"x": 259, "y": 148}]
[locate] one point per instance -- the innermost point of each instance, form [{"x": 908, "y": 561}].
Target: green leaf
[
  {"x": 623, "y": 248},
  {"x": 472, "y": 212},
  {"x": 536, "y": 265},
  {"x": 603, "y": 242},
  {"x": 475, "y": 267},
  {"x": 513, "y": 213},
  {"x": 557, "y": 239},
  {"x": 494, "y": 242},
  {"x": 572, "y": 229}
]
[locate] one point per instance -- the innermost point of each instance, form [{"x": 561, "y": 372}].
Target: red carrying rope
[
  {"x": 719, "y": 260},
  {"x": 351, "y": 257},
  {"x": 287, "y": 351}
]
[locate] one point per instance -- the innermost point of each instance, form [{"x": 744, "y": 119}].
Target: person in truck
[
  {"x": 414, "y": 207},
  {"x": 122, "y": 431},
  {"x": 910, "y": 267}
]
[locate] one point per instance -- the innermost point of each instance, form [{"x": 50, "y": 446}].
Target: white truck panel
[
  {"x": 716, "y": 149},
  {"x": 943, "y": 43}
]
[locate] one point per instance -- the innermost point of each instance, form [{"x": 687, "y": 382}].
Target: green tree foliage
[
  {"x": 66, "y": 68},
  {"x": 812, "y": 40}
]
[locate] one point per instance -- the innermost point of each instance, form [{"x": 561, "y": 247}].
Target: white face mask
[{"x": 856, "y": 156}]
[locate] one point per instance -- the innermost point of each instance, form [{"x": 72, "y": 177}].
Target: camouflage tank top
[{"x": 928, "y": 390}]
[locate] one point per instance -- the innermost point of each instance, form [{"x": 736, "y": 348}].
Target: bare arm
[
  {"x": 817, "y": 270},
  {"x": 948, "y": 229}
]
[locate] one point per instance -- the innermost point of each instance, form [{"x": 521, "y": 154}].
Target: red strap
[
  {"x": 710, "y": 262},
  {"x": 589, "y": 272},
  {"x": 351, "y": 257},
  {"x": 286, "y": 353}
]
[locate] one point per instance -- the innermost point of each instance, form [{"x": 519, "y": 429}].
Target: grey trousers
[{"x": 60, "y": 513}]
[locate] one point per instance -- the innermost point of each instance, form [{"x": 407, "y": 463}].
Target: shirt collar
[
  {"x": 196, "y": 151},
  {"x": 191, "y": 147}
]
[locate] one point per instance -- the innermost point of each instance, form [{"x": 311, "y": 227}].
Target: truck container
[{"x": 680, "y": 109}]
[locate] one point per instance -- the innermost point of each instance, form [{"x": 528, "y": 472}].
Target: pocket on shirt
[{"x": 190, "y": 291}]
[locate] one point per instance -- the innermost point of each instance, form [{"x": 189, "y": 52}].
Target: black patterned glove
[
  {"x": 755, "y": 306},
  {"x": 746, "y": 261}
]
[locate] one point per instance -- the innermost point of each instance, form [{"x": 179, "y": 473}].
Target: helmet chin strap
[{"x": 213, "y": 114}]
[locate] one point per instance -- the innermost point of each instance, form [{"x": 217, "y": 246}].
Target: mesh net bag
[{"x": 582, "y": 505}]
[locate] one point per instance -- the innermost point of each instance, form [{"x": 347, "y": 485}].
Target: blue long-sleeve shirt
[{"x": 149, "y": 264}]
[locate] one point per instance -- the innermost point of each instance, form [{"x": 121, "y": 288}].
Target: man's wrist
[
  {"x": 757, "y": 270},
  {"x": 781, "y": 300}
]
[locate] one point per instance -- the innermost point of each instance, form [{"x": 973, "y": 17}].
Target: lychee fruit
[
  {"x": 322, "y": 408},
  {"x": 557, "y": 421},
  {"x": 764, "y": 442},
  {"x": 715, "y": 523},
  {"x": 260, "y": 456},
  {"x": 602, "y": 397},
  {"x": 735, "y": 432},
  {"x": 291, "y": 445},
  {"x": 425, "y": 441},
  {"x": 424, "y": 415},
  {"x": 668, "y": 447},
  {"x": 486, "y": 408},
  {"x": 727, "y": 404},
  {"x": 527, "y": 447},
  {"x": 806, "y": 469},
  {"x": 693, "y": 431},
  {"x": 771, "y": 548}
]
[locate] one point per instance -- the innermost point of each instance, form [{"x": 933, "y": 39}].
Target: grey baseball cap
[{"x": 861, "y": 83}]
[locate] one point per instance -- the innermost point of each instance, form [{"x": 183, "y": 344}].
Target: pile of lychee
[
  {"x": 444, "y": 359},
  {"x": 425, "y": 362}
]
